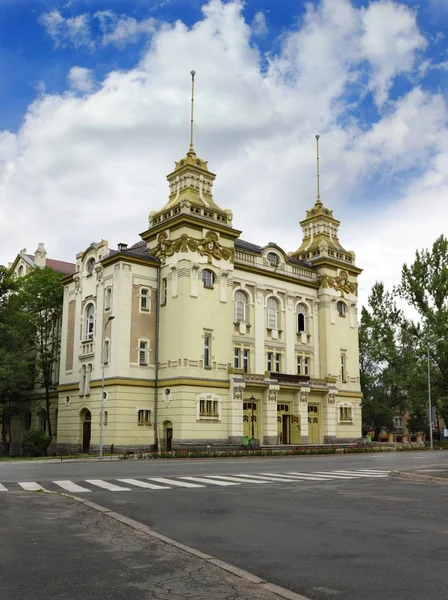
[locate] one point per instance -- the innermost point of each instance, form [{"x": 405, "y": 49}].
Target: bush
[{"x": 35, "y": 442}]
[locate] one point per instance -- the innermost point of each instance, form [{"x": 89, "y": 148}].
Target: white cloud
[
  {"x": 80, "y": 79},
  {"x": 259, "y": 25},
  {"x": 92, "y": 166},
  {"x": 72, "y": 31},
  {"x": 390, "y": 42},
  {"x": 122, "y": 30}
]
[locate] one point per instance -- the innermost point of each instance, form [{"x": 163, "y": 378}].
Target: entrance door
[
  {"x": 313, "y": 424},
  {"x": 169, "y": 439},
  {"x": 250, "y": 420},
  {"x": 296, "y": 434},
  {"x": 86, "y": 432},
  {"x": 284, "y": 423}
]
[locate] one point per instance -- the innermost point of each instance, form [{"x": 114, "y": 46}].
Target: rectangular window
[
  {"x": 164, "y": 291},
  {"x": 106, "y": 351},
  {"x": 345, "y": 413},
  {"x": 278, "y": 359},
  {"x": 207, "y": 350},
  {"x": 299, "y": 365},
  {"x": 143, "y": 353},
  {"x": 105, "y": 417},
  {"x": 270, "y": 361},
  {"x": 246, "y": 361},
  {"x": 343, "y": 368},
  {"x": 306, "y": 366},
  {"x": 108, "y": 299},
  {"x": 144, "y": 417},
  {"x": 144, "y": 299},
  {"x": 209, "y": 408},
  {"x": 236, "y": 358}
]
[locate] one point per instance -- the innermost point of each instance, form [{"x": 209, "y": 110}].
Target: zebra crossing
[{"x": 192, "y": 481}]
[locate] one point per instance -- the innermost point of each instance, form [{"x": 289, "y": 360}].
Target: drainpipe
[{"x": 156, "y": 360}]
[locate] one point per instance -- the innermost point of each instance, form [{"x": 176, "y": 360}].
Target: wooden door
[
  {"x": 286, "y": 429},
  {"x": 313, "y": 424},
  {"x": 86, "y": 434},
  {"x": 296, "y": 434},
  {"x": 250, "y": 420},
  {"x": 169, "y": 439}
]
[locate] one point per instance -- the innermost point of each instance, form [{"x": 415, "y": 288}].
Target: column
[
  {"x": 237, "y": 386},
  {"x": 329, "y": 416},
  {"x": 303, "y": 412},
  {"x": 270, "y": 435}
]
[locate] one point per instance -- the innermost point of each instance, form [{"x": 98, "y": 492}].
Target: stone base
[
  {"x": 303, "y": 440},
  {"x": 331, "y": 439},
  {"x": 236, "y": 440},
  {"x": 270, "y": 440}
]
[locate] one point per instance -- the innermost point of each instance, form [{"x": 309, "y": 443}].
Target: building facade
[{"x": 205, "y": 339}]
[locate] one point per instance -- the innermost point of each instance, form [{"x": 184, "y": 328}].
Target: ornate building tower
[
  {"x": 194, "y": 240},
  {"x": 337, "y": 305}
]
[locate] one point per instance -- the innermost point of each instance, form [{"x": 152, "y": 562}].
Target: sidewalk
[
  {"x": 55, "y": 547},
  {"x": 430, "y": 474}
]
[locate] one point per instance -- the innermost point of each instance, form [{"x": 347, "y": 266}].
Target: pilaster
[
  {"x": 260, "y": 329},
  {"x": 302, "y": 398},
  {"x": 330, "y": 420},
  {"x": 237, "y": 386},
  {"x": 270, "y": 435}
]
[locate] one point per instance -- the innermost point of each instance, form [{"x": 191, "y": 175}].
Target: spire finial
[
  {"x": 318, "y": 201},
  {"x": 191, "y": 151}
]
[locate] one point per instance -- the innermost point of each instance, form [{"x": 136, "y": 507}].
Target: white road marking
[
  {"x": 108, "y": 486},
  {"x": 238, "y": 478},
  {"x": 144, "y": 484},
  {"x": 30, "y": 486},
  {"x": 207, "y": 480},
  {"x": 336, "y": 475},
  {"x": 355, "y": 474},
  {"x": 174, "y": 482},
  {"x": 311, "y": 476},
  {"x": 3, "y": 488},
  {"x": 272, "y": 478},
  {"x": 71, "y": 487}
]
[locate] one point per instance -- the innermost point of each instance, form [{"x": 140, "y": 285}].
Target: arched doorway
[
  {"x": 86, "y": 425},
  {"x": 168, "y": 435}
]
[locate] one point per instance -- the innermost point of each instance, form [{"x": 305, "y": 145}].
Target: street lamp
[
  {"x": 103, "y": 360},
  {"x": 431, "y": 441}
]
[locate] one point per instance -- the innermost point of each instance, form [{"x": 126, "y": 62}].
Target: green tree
[
  {"x": 16, "y": 360},
  {"x": 424, "y": 286},
  {"x": 41, "y": 297},
  {"x": 387, "y": 360}
]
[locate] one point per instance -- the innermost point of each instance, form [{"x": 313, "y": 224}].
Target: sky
[{"x": 95, "y": 101}]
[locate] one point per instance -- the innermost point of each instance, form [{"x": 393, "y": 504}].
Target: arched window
[
  {"x": 208, "y": 278},
  {"x": 272, "y": 313},
  {"x": 301, "y": 318},
  {"x": 90, "y": 321},
  {"x": 341, "y": 308},
  {"x": 90, "y": 265},
  {"x": 144, "y": 299},
  {"x": 20, "y": 271},
  {"x": 240, "y": 307},
  {"x": 108, "y": 299},
  {"x": 273, "y": 259}
]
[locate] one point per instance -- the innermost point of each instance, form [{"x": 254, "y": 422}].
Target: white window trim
[
  {"x": 245, "y": 306},
  {"x": 146, "y": 310},
  {"x": 212, "y": 277},
  {"x": 278, "y": 261},
  {"x": 89, "y": 337},
  {"x": 144, "y": 409},
  {"x": 346, "y": 405},
  {"x": 207, "y": 334},
  {"x": 341, "y": 302},
  {"x": 276, "y": 312},
  {"x": 213, "y": 398},
  {"x": 148, "y": 349},
  {"x": 305, "y": 314}
]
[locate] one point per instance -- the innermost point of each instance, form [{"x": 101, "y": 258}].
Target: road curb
[
  {"x": 144, "y": 529},
  {"x": 418, "y": 477}
]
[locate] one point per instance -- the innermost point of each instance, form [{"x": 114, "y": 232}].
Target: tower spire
[
  {"x": 191, "y": 150},
  {"x": 318, "y": 201}
]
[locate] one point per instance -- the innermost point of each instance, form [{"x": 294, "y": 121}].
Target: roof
[
  {"x": 138, "y": 249},
  {"x": 60, "y": 266}
]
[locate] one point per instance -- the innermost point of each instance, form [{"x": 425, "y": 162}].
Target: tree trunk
[
  {"x": 47, "y": 408},
  {"x": 376, "y": 437},
  {"x": 6, "y": 434}
]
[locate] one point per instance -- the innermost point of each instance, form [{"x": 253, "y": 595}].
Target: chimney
[
  {"x": 122, "y": 247},
  {"x": 40, "y": 256}
]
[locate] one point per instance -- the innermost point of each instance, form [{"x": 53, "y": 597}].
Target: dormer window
[
  {"x": 273, "y": 259},
  {"x": 90, "y": 265},
  {"x": 208, "y": 278},
  {"x": 20, "y": 271},
  {"x": 341, "y": 308}
]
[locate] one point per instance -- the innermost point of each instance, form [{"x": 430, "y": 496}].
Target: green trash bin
[{"x": 246, "y": 441}]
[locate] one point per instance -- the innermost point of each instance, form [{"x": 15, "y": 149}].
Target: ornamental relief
[
  {"x": 238, "y": 392},
  {"x": 209, "y": 246},
  {"x": 339, "y": 283}
]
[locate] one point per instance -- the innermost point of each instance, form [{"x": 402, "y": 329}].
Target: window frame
[
  {"x": 342, "y": 313},
  {"x": 106, "y": 357},
  {"x": 236, "y": 357},
  {"x": 108, "y": 298},
  {"x": 206, "y": 285},
  {"x": 272, "y": 323},
  {"x": 143, "y": 416},
  {"x": 207, "y": 350},
  {"x": 301, "y": 314},
  {"x": 278, "y": 362},
  {"x": 144, "y": 350},
  {"x": 343, "y": 367},
  {"x": 306, "y": 365},
  {"x": 90, "y": 265},
  {"x": 144, "y": 300},
  {"x": 270, "y": 361},
  {"x": 89, "y": 325},
  {"x": 345, "y": 413},
  {"x": 246, "y": 360},
  {"x": 273, "y": 262},
  {"x": 208, "y": 407},
  {"x": 241, "y": 304}
]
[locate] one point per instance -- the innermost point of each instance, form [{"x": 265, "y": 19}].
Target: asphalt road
[
  {"x": 341, "y": 539},
  {"x": 42, "y": 472}
]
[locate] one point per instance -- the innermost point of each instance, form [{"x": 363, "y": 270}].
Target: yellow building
[{"x": 212, "y": 338}]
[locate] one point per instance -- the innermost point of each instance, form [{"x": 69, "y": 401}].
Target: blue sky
[{"x": 94, "y": 110}]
